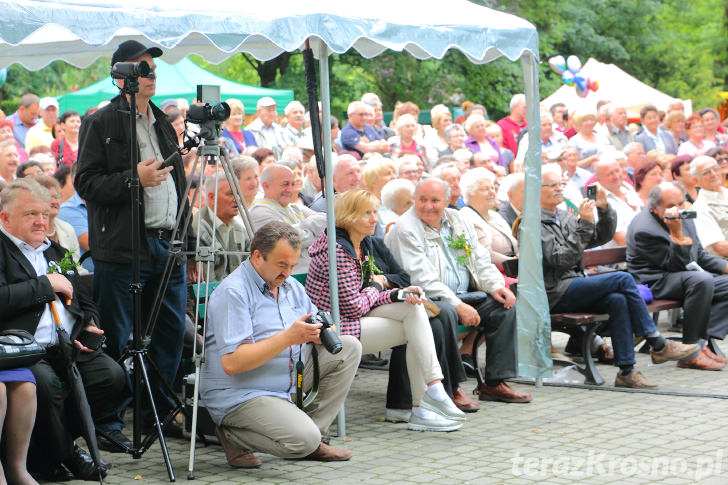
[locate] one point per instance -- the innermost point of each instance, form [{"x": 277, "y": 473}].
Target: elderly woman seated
[
  {"x": 454, "y": 138},
  {"x": 397, "y": 197},
  {"x": 435, "y": 139},
  {"x": 479, "y": 141},
  {"x": 494, "y": 233},
  {"x": 376, "y": 173},
  {"x": 379, "y": 314},
  {"x": 405, "y": 142},
  {"x": 17, "y": 416}
]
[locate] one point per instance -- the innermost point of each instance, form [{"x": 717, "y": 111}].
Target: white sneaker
[
  {"x": 398, "y": 415},
  {"x": 447, "y": 409},
  {"x": 432, "y": 422}
]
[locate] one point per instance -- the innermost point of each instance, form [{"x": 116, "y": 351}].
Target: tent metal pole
[
  {"x": 534, "y": 328},
  {"x": 329, "y": 191}
]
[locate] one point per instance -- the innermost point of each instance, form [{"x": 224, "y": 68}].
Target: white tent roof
[
  {"x": 616, "y": 86},
  {"x": 36, "y": 32}
]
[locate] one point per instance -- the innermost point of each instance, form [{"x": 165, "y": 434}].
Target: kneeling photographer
[{"x": 258, "y": 332}]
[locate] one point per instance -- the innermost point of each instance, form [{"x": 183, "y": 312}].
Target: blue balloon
[
  {"x": 3, "y": 76},
  {"x": 568, "y": 78},
  {"x": 581, "y": 83}
]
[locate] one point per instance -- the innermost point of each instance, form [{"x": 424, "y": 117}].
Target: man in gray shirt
[{"x": 257, "y": 334}]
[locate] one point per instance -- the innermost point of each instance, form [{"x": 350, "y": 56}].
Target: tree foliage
[{"x": 678, "y": 46}]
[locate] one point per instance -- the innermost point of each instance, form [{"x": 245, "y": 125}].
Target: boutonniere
[
  {"x": 461, "y": 243},
  {"x": 66, "y": 266},
  {"x": 369, "y": 268}
]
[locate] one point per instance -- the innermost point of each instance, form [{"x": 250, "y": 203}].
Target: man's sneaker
[
  {"x": 673, "y": 351},
  {"x": 635, "y": 380},
  {"x": 700, "y": 362},
  {"x": 432, "y": 422},
  {"x": 446, "y": 409},
  {"x": 398, "y": 415}
]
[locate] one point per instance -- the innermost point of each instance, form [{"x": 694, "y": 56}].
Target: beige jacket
[{"x": 418, "y": 248}]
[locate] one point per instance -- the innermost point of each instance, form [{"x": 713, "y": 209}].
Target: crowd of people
[{"x": 425, "y": 217}]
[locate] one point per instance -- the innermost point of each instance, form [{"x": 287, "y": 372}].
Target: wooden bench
[{"x": 591, "y": 322}]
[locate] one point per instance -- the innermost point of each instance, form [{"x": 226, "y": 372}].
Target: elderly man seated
[
  {"x": 441, "y": 252},
  {"x": 219, "y": 229},
  {"x": 278, "y": 184},
  {"x": 347, "y": 175},
  {"x": 664, "y": 252},
  {"x": 513, "y": 185},
  {"x": 620, "y": 195},
  {"x": 564, "y": 238},
  {"x": 397, "y": 198},
  {"x": 711, "y": 206},
  {"x": 27, "y": 292}
]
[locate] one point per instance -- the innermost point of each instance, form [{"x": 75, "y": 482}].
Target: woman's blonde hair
[
  {"x": 373, "y": 169},
  {"x": 581, "y": 115},
  {"x": 352, "y": 204}
]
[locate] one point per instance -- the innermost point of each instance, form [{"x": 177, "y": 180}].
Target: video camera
[
  {"x": 209, "y": 115},
  {"x": 684, "y": 214},
  {"x": 132, "y": 70}
]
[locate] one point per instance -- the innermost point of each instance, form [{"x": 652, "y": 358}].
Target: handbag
[{"x": 18, "y": 348}]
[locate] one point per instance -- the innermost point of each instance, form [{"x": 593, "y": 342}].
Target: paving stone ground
[{"x": 565, "y": 436}]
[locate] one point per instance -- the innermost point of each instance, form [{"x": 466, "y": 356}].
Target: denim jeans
[
  {"x": 616, "y": 294},
  {"x": 115, "y": 305}
]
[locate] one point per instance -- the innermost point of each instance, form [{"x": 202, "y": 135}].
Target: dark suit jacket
[
  {"x": 507, "y": 213},
  {"x": 651, "y": 253},
  {"x": 24, "y": 296}
]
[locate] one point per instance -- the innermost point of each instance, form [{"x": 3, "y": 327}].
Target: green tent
[{"x": 177, "y": 81}]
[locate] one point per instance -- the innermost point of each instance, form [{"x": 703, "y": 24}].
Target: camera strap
[{"x": 302, "y": 402}]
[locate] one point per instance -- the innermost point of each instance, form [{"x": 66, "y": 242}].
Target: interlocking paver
[{"x": 560, "y": 424}]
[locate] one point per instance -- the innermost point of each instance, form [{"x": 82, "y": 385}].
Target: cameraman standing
[
  {"x": 102, "y": 180},
  {"x": 257, "y": 325}
]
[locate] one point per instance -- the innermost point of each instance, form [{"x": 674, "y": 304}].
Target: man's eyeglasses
[
  {"x": 721, "y": 160},
  {"x": 714, "y": 169},
  {"x": 554, "y": 185}
]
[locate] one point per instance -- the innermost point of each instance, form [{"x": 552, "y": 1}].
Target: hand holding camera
[{"x": 329, "y": 339}]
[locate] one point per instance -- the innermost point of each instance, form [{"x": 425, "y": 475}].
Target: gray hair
[
  {"x": 288, "y": 162},
  {"x": 353, "y": 106},
  {"x": 267, "y": 175},
  {"x": 444, "y": 185},
  {"x": 341, "y": 158},
  {"x": 437, "y": 171},
  {"x": 291, "y": 105},
  {"x": 654, "y": 198},
  {"x": 553, "y": 168},
  {"x": 517, "y": 99},
  {"x": 630, "y": 147},
  {"x": 701, "y": 159},
  {"x": 214, "y": 180},
  {"x": 612, "y": 107},
  {"x": 243, "y": 163},
  {"x": 10, "y": 192},
  {"x": 267, "y": 236},
  {"x": 372, "y": 99},
  {"x": 472, "y": 179},
  {"x": 392, "y": 188},
  {"x": 511, "y": 180},
  {"x": 472, "y": 119},
  {"x": 452, "y": 128}
]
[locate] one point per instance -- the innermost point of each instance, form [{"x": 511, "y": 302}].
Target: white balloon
[{"x": 573, "y": 63}]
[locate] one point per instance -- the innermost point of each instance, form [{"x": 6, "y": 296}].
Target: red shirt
[{"x": 511, "y": 129}]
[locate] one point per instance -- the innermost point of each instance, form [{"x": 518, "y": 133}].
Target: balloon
[
  {"x": 568, "y": 78},
  {"x": 3, "y": 76},
  {"x": 558, "y": 64},
  {"x": 573, "y": 63},
  {"x": 581, "y": 84},
  {"x": 593, "y": 85}
]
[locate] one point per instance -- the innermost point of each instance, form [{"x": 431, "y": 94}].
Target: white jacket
[{"x": 418, "y": 248}]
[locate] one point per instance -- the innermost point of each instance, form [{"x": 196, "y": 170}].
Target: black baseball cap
[{"x": 132, "y": 49}]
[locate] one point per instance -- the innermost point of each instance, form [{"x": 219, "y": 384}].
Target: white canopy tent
[
  {"x": 36, "y": 32},
  {"x": 616, "y": 86}
]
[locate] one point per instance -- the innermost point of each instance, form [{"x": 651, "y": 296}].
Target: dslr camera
[{"x": 329, "y": 339}]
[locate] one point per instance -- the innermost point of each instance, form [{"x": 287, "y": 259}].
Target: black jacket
[
  {"x": 24, "y": 296},
  {"x": 651, "y": 252},
  {"x": 103, "y": 174},
  {"x": 564, "y": 237}
]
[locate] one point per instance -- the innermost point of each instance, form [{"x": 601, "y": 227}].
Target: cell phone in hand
[
  {"x": 169, "y": 161},
  {"x": 93, "y": 341},
  {"x": 402, "y": 294},
  {"x": 591, "y": 192}
]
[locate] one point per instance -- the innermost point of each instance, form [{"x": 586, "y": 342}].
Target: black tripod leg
[
  {"x": 162, "y": 443},
  {"x": 179, "y": 404}
]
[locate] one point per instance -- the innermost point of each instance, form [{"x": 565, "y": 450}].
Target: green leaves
[{"x": 66, "y": 266}]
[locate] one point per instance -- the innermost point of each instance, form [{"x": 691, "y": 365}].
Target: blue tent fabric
[{"x": 177, "y": 81}]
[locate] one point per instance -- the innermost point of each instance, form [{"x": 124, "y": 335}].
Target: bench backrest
[{"x": 592, "y": 257}]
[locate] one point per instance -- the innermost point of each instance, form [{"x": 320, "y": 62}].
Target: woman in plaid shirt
[{"x": 381, "y": 317}]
